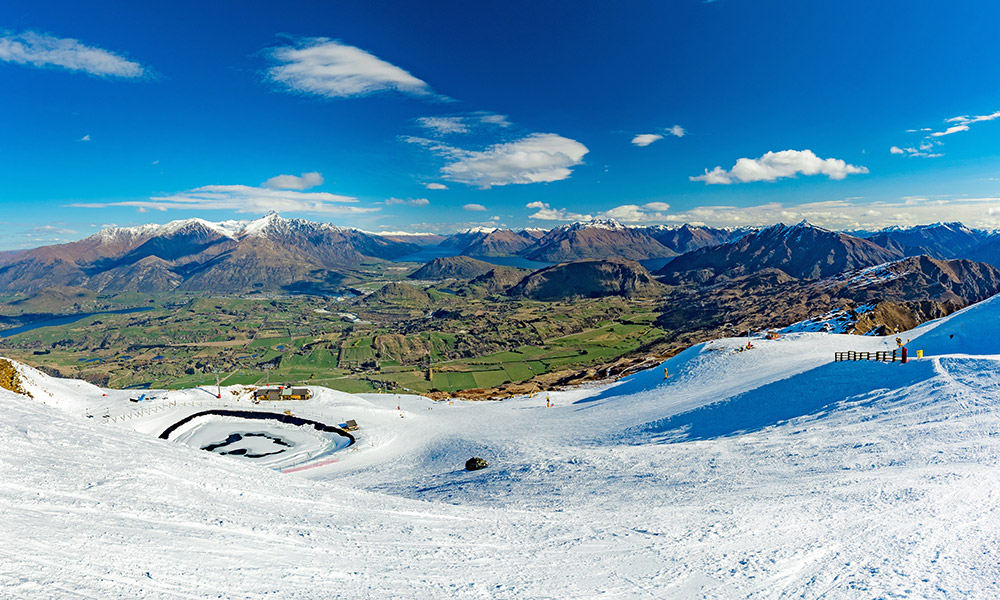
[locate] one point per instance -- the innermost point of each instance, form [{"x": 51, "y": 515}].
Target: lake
[
  {"x": 429, "y": 254},
  {"x": 66, "y": 320}
]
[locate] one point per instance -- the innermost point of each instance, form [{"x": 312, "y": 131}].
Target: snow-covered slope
[{"x": 768, "y": 472}]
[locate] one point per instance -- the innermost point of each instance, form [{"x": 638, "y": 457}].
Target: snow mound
[
  {"x": 972, "y": 330},
  {"x": 69, "y": 394}
]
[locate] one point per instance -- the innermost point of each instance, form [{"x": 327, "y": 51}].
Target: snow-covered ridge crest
[
  {"x": 271, "y": 223},
  {"x": 781, "y": 228},
  {"x": 114, "y": 234},
  {"x": 954, "y": 226},
  {"x": 610, "y": 224}
]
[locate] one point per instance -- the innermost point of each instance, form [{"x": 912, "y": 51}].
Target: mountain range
[
  {"x": 803, "y": 251},
  {"x": 295, "y": 255},
  {"x": 270, "y": 253}
]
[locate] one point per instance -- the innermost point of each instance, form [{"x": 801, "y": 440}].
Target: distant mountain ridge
[
  {"x": 939, "y": 240},
  {"x": 599, "y": 239},
  {"x": 802, "y": 251},
  {"x": 274, "y": 254},
  {"x": 270, "y": 253},
  {"x": 688, "y": 238},
  {"x": 589, "y": 279},
  {"x": 452, "y": 267}
]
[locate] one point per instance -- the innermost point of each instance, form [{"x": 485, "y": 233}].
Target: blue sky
[{"x": 437, "y": 116}]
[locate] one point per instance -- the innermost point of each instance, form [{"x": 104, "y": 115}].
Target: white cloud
[
  {"x": 411, "y": 202},
  {"x": 778, "y": 165},
  {"x": 243, "y": 199},
  {"x": 966, "y": 120},
  {"x": 537, "y": 158},
  {"x": 846, "y": 214},
  {"x": 474, "y": 207},
  {"x": 444, "y": 125},
  {"x": 632, "y": 213},
  {"x": 645, "y": 139},
  {"x": 435, "y": 186},
  {"x": 49, "y": 230},
  {"x": 911, "y": 151},
  {"x": 336, "y": 70},
  {"x": 546, "y": 213},
  {"x": 493, "y": 119},
  {"x": 628, "y": 213},
  {"x": 950, "y": 130},
  {"x": 293, "y": 182},
  {"x": 962, "y": 123},
  {"x": 40, "y": 50}
]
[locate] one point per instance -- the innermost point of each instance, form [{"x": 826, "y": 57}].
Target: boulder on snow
[{"x": 475, "y": 463}]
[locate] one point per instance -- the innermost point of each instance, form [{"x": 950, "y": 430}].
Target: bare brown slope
[
  {"x": 589, "y": 279},
  {"x": 452, "y": 267},
  {"x": 502, "y": 242},
  {"x": 802, "y": 251}
]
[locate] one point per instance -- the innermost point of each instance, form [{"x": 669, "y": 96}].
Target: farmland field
[{"x": 183, "y": 340}]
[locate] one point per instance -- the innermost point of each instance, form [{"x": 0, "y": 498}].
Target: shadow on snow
[{"x": 815, "y": 392}]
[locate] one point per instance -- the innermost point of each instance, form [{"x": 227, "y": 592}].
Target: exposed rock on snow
[{"x": 475, "y": 463}]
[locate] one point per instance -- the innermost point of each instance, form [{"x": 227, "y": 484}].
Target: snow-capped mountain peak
[{"x": 609, "y": 224}]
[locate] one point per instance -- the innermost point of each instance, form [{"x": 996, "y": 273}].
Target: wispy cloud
[
  {"x": 85, "y": 138},
  {"x": 547, "y": 213},
  {"x": 536, "y": 158},
  {"x": 474, "y": 207},
  {"x": 48, "y": 230},
  {"x": 336, "y": 70},
  {"x": 464, "y": 123},
  {"x": 779, "y": 165},
  {"x": 924, "y": 150},
  {"x": 42, "y": 50},
  {"x": 444, "y": 125},
  {"x": 243, "y": 199},
  {"x": 42, "y": 234},
  {"x": 950, "y": 130},
  {"x": 634, "y": 213},
  {"x": 294, "y": 182},
  {"x": 845, "y": 214},
  {"x": 645, "y": 139},
  {"x": 960, "y": 124},
  {"x": 435, "y": 186},
  {"x": 626, "y": 213},
  {"x": 409, "y": 202}
]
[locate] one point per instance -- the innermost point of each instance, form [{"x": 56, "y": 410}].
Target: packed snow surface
[{"x": 770, "y": 472}]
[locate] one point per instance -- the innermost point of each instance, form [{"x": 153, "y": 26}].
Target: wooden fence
[{"x": 881, "y": 356}]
